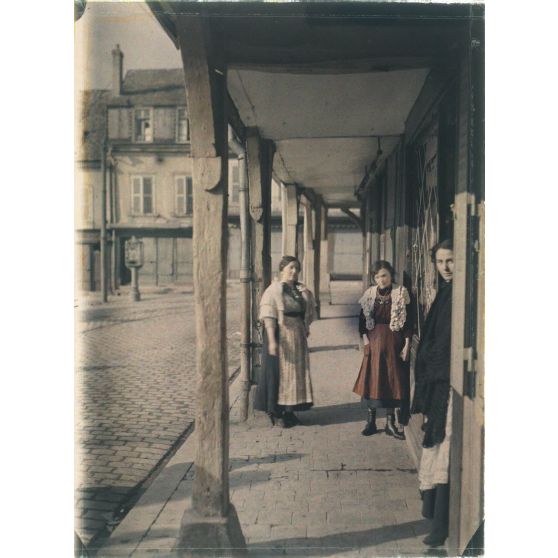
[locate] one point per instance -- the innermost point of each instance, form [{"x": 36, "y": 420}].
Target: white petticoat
[{"x": 434, "y": 462}]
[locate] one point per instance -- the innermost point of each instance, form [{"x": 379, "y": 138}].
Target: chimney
[{"x": 117, "y": 58}]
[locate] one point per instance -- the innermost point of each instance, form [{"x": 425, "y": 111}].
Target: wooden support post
[
  {"x": 309, "y": 253},
  {"x": 289, "y": 244},
  {"x": 318, "y": 213},
  {"x": 211, "y": 521},
  {"x": 376, "y": 224},
  {"x": 369, "y": 238},
  {"x": 259, "y": 162},
  {"x": 245, "y": 281},
  {"x": 324, "y": 257}
]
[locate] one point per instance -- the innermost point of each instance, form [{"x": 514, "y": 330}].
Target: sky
[{"x": 131, "y": 25}]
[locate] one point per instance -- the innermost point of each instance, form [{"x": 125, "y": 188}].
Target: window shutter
[
  {"x": 164, "y": 125},
  {"x": 182, "y": 125},
  {"x": 180, "y": 199},
  {"x": 136, "y": 195},
  {"x": 189, "y": 196},
  {"x": 113, "y": 123},
  {"x": 125, "y": 123},
  {"x": 147, "y": 195}
]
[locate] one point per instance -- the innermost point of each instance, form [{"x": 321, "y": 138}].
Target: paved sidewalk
[
  {"x": 135, "y": 389},
  {"x": 320, "y": 489}
]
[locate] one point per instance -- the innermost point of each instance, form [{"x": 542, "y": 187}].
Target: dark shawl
[{"x": 432, "y": 368}]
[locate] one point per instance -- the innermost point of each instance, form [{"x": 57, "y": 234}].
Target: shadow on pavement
[
  {"x": 236, "y": 463},
  {"x": 330, "y": 545},
  {"x": 353, "y": 346},
  {"x": 332, "y": 414},
  {"x": 351, "y": 317}
]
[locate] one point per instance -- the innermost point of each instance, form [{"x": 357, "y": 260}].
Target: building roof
[
  {"x": 91, "y": 124},
  {"x": 140, "y": 88},
  {"x": 152, "y": 88}
]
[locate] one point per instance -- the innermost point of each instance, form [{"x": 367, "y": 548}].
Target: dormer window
[
  {"x": 182, "y": 126},
  {"x": 143, "y": 125}
]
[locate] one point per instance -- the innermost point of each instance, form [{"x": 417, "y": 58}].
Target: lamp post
[{"x": 134, "y": 260}]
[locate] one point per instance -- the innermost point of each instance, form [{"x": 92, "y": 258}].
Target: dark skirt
[
  {"x": 383, "y": 378},
  {"x": 267, "y": 390}
]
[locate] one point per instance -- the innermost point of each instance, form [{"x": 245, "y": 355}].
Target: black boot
[
  {"x": 370, "y": 427},
  {"x": 440, "y": 524},
  {"x": 391, "y": 429}
]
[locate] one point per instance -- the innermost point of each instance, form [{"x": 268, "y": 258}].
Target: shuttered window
[
  {"x": 182, "y": 126},
  {"x": 183, "y": 189},
  {"x": 142, "y": 195}
]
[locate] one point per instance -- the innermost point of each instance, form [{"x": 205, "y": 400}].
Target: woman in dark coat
[
  {"x": 385, "y": 326},
  {"x": 432, "y": 398}
]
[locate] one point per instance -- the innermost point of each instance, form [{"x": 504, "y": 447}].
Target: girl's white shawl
[
  {"x": 399, "y": 299},
  {"x": 271, "y": 303}
]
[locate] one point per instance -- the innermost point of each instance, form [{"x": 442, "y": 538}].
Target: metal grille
[{"x": 425, "y": 233}]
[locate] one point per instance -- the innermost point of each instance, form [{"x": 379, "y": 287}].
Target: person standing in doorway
[
  {"x": 432, "y": 398},
  {"x": 287, "y": 309},
  {"x": 385, "y": 327}
]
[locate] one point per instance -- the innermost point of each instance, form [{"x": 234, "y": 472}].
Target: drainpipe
[
  {"x": 112, "y": 221},
  {"x": 104, "y": 282},
  {"x": 245, "y": 277}
]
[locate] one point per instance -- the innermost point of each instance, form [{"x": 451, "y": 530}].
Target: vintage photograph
[{"x": 279, "y": 278}]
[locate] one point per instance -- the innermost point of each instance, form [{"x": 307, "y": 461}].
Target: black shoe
[
  {"x": 284, "y": 423},
  {"x": 291, "y": 418},
  {"x": 391, "y": 429},
  {"x": 370, "y": 427},
  {"x": 440, "y": 522},
  {"x": 432, "y": 541}
]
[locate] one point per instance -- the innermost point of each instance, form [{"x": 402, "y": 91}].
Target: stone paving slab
[{"x": 320, "y": 489}]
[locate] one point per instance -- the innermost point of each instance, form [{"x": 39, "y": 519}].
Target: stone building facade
[{"x": 141, "y": 128}]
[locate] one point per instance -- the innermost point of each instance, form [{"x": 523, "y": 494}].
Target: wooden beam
[
  {"x": 290, "y": 203},
  {"x": 355, "y": 218},
  {"x": 165, "y": 15},
  {"x": 317, "y": 244},
  {"x": 309, "y": 252},
  {"x": 211, "y": 521},
  {"x": 206, "y": 105},
  {"x": 339, "y": 67},
  {"x": 234, "y": 119}
]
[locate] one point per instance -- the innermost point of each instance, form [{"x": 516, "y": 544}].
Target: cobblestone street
[{"x": 135, "y": 392}]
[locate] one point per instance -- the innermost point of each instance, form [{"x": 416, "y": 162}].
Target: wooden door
[
  {"x": 184, "y": 264},
  {"x": 467, "y": 366},
  {"x": 166, "y": 261},
  {"x": 148, "y": 272}
]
